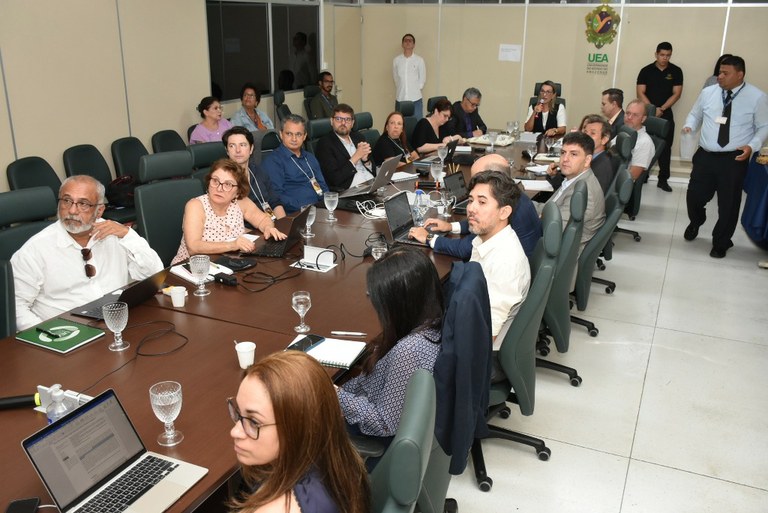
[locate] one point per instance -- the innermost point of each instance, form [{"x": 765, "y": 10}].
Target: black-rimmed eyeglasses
[
  {"x": 82, "y": 206},
  {"x": 250, "y": 427}
]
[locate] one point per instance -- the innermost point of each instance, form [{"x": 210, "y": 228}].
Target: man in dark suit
[
  {"x": 465, "y": 116},
  {"x": 344, "y": 154},
  {"x": 611, "y": 107}
]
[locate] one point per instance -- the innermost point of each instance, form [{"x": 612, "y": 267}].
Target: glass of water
[
  {"x": 301, "y": 303},
  {"x": 200, "y": 266},
  {"x": 436, "y": 170},
  {"x": 492, "y": 136},
  {"x": 165, "y": 398},
  {"x": 116, "y": 317},
  {"x": 306, "y": 232},
  {"x": 378, "y": 249},
  {"x": 442, "y": 152},
  {"x": 331, "y": 200}
]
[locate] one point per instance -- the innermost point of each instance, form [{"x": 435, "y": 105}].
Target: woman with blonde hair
[
  {"x": 547, "y": 116},
  {"x": 290, "y": 438}
]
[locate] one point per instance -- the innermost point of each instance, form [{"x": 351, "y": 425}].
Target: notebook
[
  {"x": 80, "y": 455},
  {"x": 289, "y": 225},
  {"x": 60, "y": 335},
  {"x": 331, "y": 352},
  {"x": 456, "y": 186},
  {"x": 399, "y": 219},
  {"x": 133, "y": 295},
  {"x": 382, "y": 178}
]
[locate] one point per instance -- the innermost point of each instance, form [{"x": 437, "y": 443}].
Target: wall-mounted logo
[{"x": 602, "y": 25}]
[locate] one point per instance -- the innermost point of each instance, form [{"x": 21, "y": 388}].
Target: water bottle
[
  {"x": 58, "y": 408},
  {"x": 420, "y": 206}
]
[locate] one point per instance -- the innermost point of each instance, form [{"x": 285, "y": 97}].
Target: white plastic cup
[
  {"x": 178, "y": 296},
  {"x": 246, "y": 351},
  {"x": 689, "y": 143}
]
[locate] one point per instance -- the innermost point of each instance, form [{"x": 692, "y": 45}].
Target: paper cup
[
  {"x": 245, "y": 353},
  {"x": 178, "y": 296}
]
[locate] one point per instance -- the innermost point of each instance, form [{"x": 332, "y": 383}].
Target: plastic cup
[
  {"x": 246, "y": 351},
  {"x": 178, "y": 296}
]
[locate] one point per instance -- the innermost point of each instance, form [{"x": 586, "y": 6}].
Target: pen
[
  {"x": 49, "y": 333},
  {"x": 349, "y": 334}
]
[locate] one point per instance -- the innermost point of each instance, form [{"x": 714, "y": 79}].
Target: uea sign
[
  {"x": 602, "y": 24},
  {"x": 598, "y": 57}
]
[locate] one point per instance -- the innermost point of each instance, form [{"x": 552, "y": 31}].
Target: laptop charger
[{"x": 225, "y": 279}]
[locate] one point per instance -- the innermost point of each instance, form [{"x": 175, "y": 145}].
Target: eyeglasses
[
  {"x": 90, "y": 270},
  {"x": 544, "y": 91},
  {"x": 249, "y": 95},
  {"x": 473, "y": 104},
  {"x": 250, "y": 427},
  {"x": 224, "y": 186},
  {"x": 339, "y": 119},
  {"x": 328, "y": 82},
  {"x": 82, "y": 206}
]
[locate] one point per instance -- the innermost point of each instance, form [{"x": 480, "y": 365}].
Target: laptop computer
[
  {"x": 427, "y": 161},
  {"x": 289, "y": 225},
  {"x": 133, "y": 295},
  {"x": 456, "y": 186},
  {"x": 382, "y": 178},
  {"x": 91, "y": 453},
  {"x": 400, "y": 220}
]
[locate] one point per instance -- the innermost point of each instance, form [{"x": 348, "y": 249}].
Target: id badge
[
  {"x": 268, "y": 210},
  {"x": 316, "y": 186},
  {"x": 721, "y": 120}
]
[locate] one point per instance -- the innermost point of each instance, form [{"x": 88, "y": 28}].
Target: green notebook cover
[{"x": 71, "y": 335}]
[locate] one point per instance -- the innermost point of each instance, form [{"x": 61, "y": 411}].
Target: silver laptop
[
  {"x": 400, "y": 220},
  {"x": 134, "y": 294},
  {"x": 91, "y": 454},
  {"x": 382, "y": 178},
  {"x": 455, "y": 186}
]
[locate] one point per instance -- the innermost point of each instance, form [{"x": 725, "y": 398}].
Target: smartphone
[
  {"x": 23, "y": 505},
  {"x": 305, "y": 343}
]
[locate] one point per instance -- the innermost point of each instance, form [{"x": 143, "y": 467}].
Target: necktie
[{"x": 722, "y": 136}]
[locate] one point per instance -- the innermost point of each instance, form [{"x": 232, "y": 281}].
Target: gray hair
[
  {"x": 472, "y": 92},
  {"x": 100, "y": 191},
  {"x": 295, "y": 118}
]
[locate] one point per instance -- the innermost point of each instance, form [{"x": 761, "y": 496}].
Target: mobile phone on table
[
  {"x": 23, "y": 505},
  {"x": 305, "y": 343}
]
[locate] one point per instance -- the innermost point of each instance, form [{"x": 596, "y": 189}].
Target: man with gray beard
[{"x": 79, "y": 258}]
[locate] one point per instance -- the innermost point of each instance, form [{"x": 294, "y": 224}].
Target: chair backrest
[
  {"x": 614, "y": 206},
  {"x": 409, "y": 125},
  {"x": 283, "y": 111},
  {"x": 557, "y": 314},
  {"x": 167, "y": 140},
  {"x": 405, "y": 107},
  {"x": 371, "y": 136},
  {"x": 310, "y": 92},
  {"x": 558, "y": 90},
  {"x": 317, "y": 128},
  {"x": 8, "y": 309},
  {"x": 396, "y": 480},
  {"x": 517, "y": 354},
  {"x": 189, "y": 132},
  {"x": 650, "y": 110},
  {"x": 86, "y": 159},
  {"x": 432, "y": 101},
  {"x": 270, "y": 141},
  {"x": 363, "y": 121},
  {"x": 658, "y": 129},
  {"x": 162, "y": 166},
  {"x": 278, "y": 97},
  {"x": 23, "y": 213},
  {"x": 205, "y": 154},
  {"x": 32, "y": 172},
  {"x": 126, "y": 153},
  {"x": 160, "y": 208}
]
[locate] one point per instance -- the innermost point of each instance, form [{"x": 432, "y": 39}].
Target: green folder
[{"x": 69, "y": 335}]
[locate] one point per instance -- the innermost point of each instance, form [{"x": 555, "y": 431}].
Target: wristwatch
[{"x": 430, "y": 236}]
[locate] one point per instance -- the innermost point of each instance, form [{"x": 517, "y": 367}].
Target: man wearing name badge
[
  {"x": 410, "y": 74},
  {"x": 661, "y": 84},
  {"x": 77, "y": 259},
  {"x": 344, "y": 154},
  {"x": 465, "y": 116},
  {"x": 322, "y": 105},
  {"x": 644, "y": 150},
  {"x": 733, "y": 117},
  {"x": 611, "y": 107},
  {"x": 525, "y": 220},
  {"x": 295, "y": 174}
]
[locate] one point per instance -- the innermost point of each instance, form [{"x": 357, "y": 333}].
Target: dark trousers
[
  {"x": 666, "y": 155},
  {"x": 721, "y": 173}
]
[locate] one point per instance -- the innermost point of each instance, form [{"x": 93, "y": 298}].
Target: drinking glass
[
  {"x": 436, "y": 170},
  {"x": 532, "y": 150},
  {"x": 442, "y": 152},
  {"x": 515, "y": 129},
  {"x": 331, "y": 200},
  {"x": 378, "y": 249},
  {"x": 448, "y": 203},
  {"x": 116, "y": 317},
  {"x": 165, "y": 398},
  {"x": 200, "y": 265},
  {"x": 307, "y": 231},
  {"x": 301, "y": 303},
  {"x": 548, "y": 142},
  {"x": 492, "y": 136},
  {"x": 510, "y": 127}
]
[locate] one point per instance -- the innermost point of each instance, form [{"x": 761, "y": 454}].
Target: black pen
[{"x": 49, "y": 333}]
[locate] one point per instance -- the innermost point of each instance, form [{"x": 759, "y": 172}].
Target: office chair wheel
[
  {"x": 609, "y": 289},
  {"x": 544, "y": 350},
  {"x": 575, "y": 381},
  {"x": 485, "y": 484},
  {"x": 638, "y": 238},
  {"x": 593, "y": 332},
  {"x": 600, "y": 265},
  {"x": 451, "y": 506},
  {"x": 544, "y": 454},
  {"x": 504, "y": 413},
  {"x": 632, "y": 218}
]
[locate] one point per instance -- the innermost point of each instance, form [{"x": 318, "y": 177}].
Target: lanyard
[
  {"x": 310, "y": 178},
  {"x": 405, "y": 154},
  {"x": 259, "y": 195}
]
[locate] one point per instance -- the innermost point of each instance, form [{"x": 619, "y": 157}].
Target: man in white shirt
[
  {"x": 77, "y": 259},
  {"x": 410, "y": 74},
  {"x": 493, "y": 197},
  {"x": 343, "y": 154},
  {"x": 642, "y": 153}
]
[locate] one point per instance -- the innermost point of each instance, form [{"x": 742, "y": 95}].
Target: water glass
[
  {"x": 116, "y": 317},
  {"x": 379, "y": 249},
  {"x": 492, "y": 136},
  {"x": 301, "y": 303},
  {"x": 442, "y": 153},
  {"x": 200, "y": 266},
  {"x": 307, "y": 231},
  {"x": 436, "y": 170},
  {"x": 448, "y": 203},
  {"x": 331, "y": 200},
  {"x": 165, "y": 398}
]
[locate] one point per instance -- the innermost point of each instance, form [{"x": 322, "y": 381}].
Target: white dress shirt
[
  {"x": 561, "y": 119},
  {"x": 642, "y": 153},
  {"x": 507, "y": 272},
  {"x": 410, "y": 74},
  {"x": 49, "y": 271},
  {"x": 363, "y": 174}
]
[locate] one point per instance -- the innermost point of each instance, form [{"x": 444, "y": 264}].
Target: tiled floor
[{"x": 673, "y": 412}]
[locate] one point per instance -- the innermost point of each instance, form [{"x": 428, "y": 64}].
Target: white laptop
[
  {"x": 94, "y": 451},
  {"x": 382, "y": 178}
]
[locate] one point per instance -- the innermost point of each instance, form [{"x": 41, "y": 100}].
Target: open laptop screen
[{"x": 398, "y": 212}]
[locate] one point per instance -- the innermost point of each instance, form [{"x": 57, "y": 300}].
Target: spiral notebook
[{"x": 331, "y": 352}]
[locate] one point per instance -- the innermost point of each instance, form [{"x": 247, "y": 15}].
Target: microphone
[
  {"x": 536, "y": 114},
  {"x": 19, "y": 401}
]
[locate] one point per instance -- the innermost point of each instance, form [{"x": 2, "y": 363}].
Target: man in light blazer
[{"x": 344, "y": 155}]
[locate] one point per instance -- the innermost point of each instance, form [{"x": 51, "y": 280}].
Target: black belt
[{"x": 732, "y": 152}]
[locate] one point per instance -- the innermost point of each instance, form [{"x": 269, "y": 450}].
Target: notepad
[
  {"x": 331, "y": 352},
  {"x": 69, "y": 335},
  {"x": 402, "y": 176}
]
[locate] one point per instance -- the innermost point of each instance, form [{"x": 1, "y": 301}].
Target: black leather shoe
[
  {"x": 692, "y": 232},
  {"x": 664, "y": 186},
  {"x": 717, "y": 253}
]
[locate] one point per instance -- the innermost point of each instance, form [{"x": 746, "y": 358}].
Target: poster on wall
[{"x": 602, "y": 28}]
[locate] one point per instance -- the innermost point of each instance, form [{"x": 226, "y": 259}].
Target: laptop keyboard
[
  {"x": 272, "y": 248},
  {"x": 127, "y": 489}
]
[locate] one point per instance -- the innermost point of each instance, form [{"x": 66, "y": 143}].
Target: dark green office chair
[
  {"x": 205, "y": 154},
  {"x": 86, "y": 159},
  {"x": 126, "y": 153},
  {"x": 396, "y": 480},
  {"x": 535, "y": 98},
  {"x": 614, "y": 206},
  {"x": 310, "y": 92},
  {"x": 32, "y": 172},
  {"x": 514, "y": 373},
  {"x": 167, "y": 140},
  {"x": 622, "y": 151},
  {"x": 557, "y": 314},
  {"x": 317, "y": 129},
  {"x": 405, "y": 107},
  {"x": 432, "y": 101},
  {"x": 363, "y": 121},
  {"x": 166, "y": 165},
  {"x": 23, "y": 213},
  {"x": 282, "y": 110},
  {"x": 8, "y": 312},
  {"x": 160, "y": 207}
]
